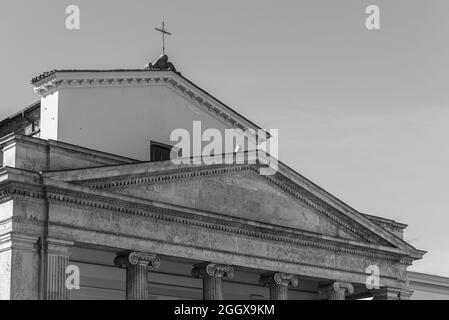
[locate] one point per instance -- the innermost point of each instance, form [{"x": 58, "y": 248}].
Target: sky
[{"x": 364, "y": 114}]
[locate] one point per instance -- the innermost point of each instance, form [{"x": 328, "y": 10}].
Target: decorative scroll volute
[
  {"x": 336, "y": 291},
  {"x": 213, "y": 270},
  {"x": 343, "y": 287},
  {"x": 137, "y": 258},
  {"x": 279, "y": 278}
]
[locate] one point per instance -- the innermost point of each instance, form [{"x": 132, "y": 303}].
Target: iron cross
[{"x": 164, "y": 33}]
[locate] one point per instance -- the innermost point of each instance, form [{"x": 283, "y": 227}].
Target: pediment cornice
[
  {"x": 84, "y": 197},
  {"x": 113, "y": 184},
  {"x": 64, "y": 79},
  {"x": 354, "y": 222}
]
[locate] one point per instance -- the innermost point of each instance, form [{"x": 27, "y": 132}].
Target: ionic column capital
[
  {"x": 213, "y": 270},
  {"x": 136, "y": 264},
  {"x": 343, "y": 286},
  {"x": 279, "y": 278},
  {"x": 128, "y": 259}
]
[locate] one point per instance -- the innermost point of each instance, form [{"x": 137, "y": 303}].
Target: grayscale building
[{"x": 86, "y": 181}]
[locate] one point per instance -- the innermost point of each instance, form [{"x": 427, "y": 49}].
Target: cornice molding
[
  {"x": 18, "y": 241},
  {"x": 163, "y": 177},
  {"x": 140, "y": 78},
  {"x": 387, "y": 223},
  {"x": 15, "y": 188}
]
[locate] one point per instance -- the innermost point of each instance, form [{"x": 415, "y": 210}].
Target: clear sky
[{"x": 364, "y": 114}]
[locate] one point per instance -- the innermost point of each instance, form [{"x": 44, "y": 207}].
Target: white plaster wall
[
  {"x": 49, "y": 116},
  {"x": 121, "y": 120}
]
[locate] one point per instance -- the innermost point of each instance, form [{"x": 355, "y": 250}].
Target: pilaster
[
  {"x": 19, "y": 267},
  {"x": 56, "y": 255}
]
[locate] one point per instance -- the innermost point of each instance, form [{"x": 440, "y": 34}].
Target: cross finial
[{"x": 164, "y": 33}]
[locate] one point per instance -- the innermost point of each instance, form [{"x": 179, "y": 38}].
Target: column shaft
[
  {"x": 19, "y": 272},
  {"x": 137, "y": 282},
  {"x": 212, "y": 288},
  {"x": 336, "y": 295},
  {"x": 137, "y": 267},
  {"x": 56, "y": 255},
  {"x": 56, "y": 287},
  {"x": 278, "y": 292}
]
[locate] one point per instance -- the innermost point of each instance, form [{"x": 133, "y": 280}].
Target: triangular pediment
[{"x": 239, "y": 191}]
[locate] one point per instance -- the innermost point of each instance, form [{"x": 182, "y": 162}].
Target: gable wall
[
  {"x": 245, "y": 195},
  {"x": 121, "y": 119}
]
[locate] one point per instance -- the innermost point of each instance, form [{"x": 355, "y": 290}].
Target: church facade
[{"x": 86, "y": 185}]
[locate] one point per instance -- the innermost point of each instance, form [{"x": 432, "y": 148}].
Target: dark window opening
[{"x": 162, "y": 152}]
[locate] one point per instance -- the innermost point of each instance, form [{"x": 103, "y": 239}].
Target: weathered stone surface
[
  {"x": 244, "y": 195},
  {"x": 33, "y": 154},
  {"x": 5, "y": 274},
  {"x": 213, "y": 275},
  {"x": 337, "y": 291},
  {"x": 137, "y": 264},
  {"x": 278, "y": 283},
  {"x": 237, "y": 218},
  {"x": 19, "y": 268},
  {"x": 110, "y": 228}
]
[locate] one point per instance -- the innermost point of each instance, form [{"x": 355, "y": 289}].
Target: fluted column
[
  {"x": 57, "y": 261},
  {"x": 337, "y": 291},
  {"x": 278, "y": 283},
  {"x": 137, "y": 264},
  {"x": 212, "y": 275}
]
